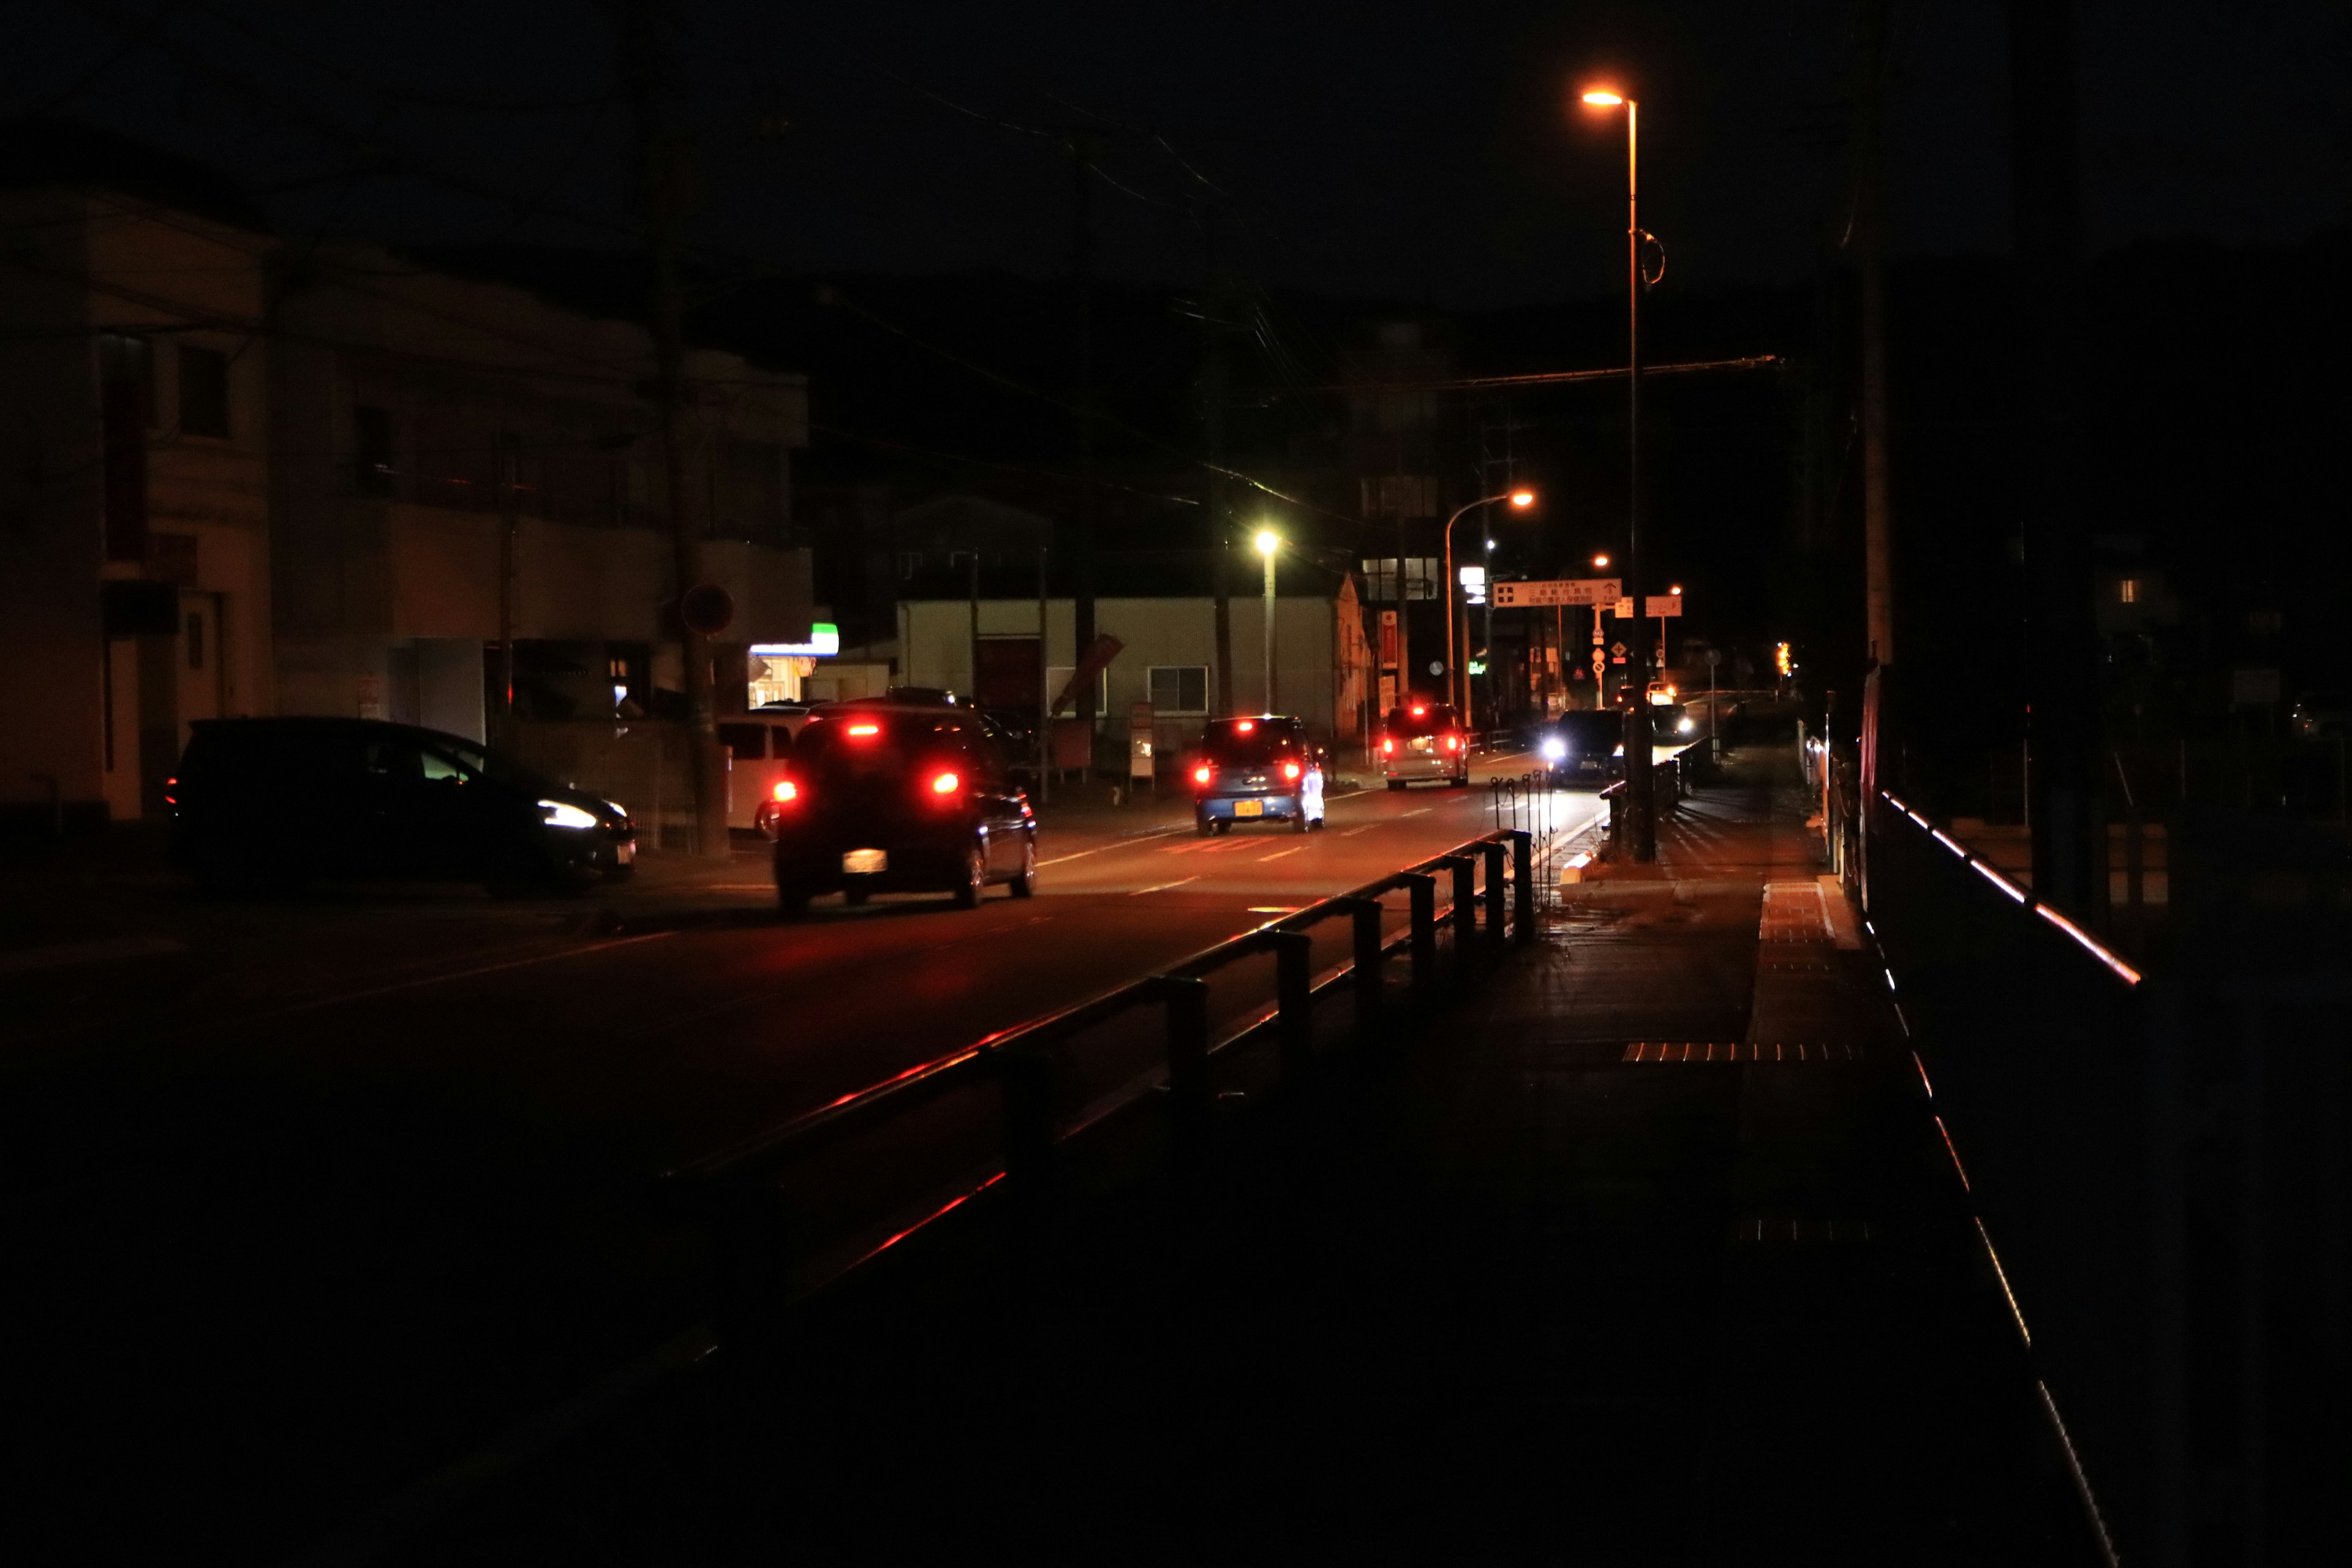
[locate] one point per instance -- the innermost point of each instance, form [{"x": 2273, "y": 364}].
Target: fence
[
  {"x": 926, "y": 1142},
  {"x": 2159, "y": 1164}
]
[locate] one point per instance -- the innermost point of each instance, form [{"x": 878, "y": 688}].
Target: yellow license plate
[
  {"x": 866, "y": 862},
  {"x": 1249, "y": 808}
]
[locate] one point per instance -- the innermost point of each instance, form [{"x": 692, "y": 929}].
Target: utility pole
[
  {"x": 1641, "y": 793},
  {"x": 1215, "y": 394},
  {"x": 1082, "y": 285},
  {"x": 509, "y": 503},
  {"x": 2061, "y": 668},
  {"x": 662, "y": 153},
  {"x": 1869, "y": 240}
]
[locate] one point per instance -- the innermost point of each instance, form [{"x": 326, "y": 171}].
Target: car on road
[
  {"x": 1585, "y": 746},
  {"x": 884, "y": 797},
  {"x": 1424, "y": 741},
  {"x": 263, "y": 803},
  {"x": 1672, "y": 725},
  {"x": 1258, "y": 768},
  {"x": 2317, "y": 714}
]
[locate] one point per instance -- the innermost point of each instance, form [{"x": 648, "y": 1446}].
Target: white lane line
[
  {"x": 1424, "y": 811},
  {"x": 338, "y": 1001},
  {"x": 1353, "y": 831},
  {"x": 1163, "y": 886},
  {"x": 1123, "y": 843},
  {"x": 1280, "y": 853}
]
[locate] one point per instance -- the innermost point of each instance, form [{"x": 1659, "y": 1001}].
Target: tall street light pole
[
  {"x": 1458, "y": 677},
  {"x": 1268, "y": 542},
  {"x": 1641, "y": 798}
]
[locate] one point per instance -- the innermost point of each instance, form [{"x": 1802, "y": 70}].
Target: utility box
[{"x": 1140, "y": 763}]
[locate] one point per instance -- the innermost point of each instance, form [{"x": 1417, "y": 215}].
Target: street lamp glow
[
  {"x": 1602, "y": 561},
  {"x": 1601, "y": 97},
  {"x": 1268, "y": 542},
  {"x": 1675, "y": 589},
  {"x": 1523, "y": 498}
]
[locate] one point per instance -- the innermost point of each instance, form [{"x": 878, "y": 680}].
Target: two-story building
[{"x": 246, "y": 474}]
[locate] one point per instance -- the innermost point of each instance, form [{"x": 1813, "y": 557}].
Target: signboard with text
[
  {"x": 1660, "y": 604},
  {"x": 1559, "y": 591}
]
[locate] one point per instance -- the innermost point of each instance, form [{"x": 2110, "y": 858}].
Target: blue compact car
[{"x": 1257, "y": 769}]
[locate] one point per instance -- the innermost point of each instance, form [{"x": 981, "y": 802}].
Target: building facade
[{"x": 246, "y": 474}]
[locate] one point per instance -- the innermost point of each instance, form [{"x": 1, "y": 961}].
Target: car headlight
[
  {"x": 1620, "y": 750},
  {"x": 1685, "y": 727},
  {"x": 1554, "y": 751},
  {"x": 562, "y": 814}
]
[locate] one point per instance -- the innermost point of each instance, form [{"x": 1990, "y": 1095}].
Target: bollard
[
  {"x": 1465, "y": 910},
  {"x": 1294, "y": 983},
  {"x": 1365, "y": 916},
  {"x": 1494, "y": 850},
  {"x": 1192, "y": 1100},
  {"x": 1423, "y": 887},
  {"x": 1025, "y": 1083},
  {"x": 1522, "y": 886}
]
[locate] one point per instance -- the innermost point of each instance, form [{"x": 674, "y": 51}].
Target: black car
[
  {"x": 277, "y": 802},
  {"x": 1584, "y": 745},
  {"x": 898, "y": 797}
]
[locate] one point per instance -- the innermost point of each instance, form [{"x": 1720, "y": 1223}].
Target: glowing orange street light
[
  {"x": 1600, "y": 98},
  {"x": 1601, "y": 561},
  {"x": 1523, "y": 498}
]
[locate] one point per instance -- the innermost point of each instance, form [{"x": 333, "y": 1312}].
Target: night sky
[{"x": 1402, "y": 151}]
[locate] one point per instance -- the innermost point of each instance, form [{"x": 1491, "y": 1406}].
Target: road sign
[
  {"x": 1660, "y": 604},
  {"x": 1714, "y": 656},
  {"x": 1599, "y": 661},
  {"x": 1559, "y": 590},
  {"x": 1618, "y": 649}
]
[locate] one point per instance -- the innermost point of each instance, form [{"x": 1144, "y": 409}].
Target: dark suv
[
  {"x": 1584, "y": 745},
  {"x": 898, "y": 797},
  {"x": 277, "y": 802}
]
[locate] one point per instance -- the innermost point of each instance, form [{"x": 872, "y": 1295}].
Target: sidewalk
[{"x": 1646, "y": 1253}]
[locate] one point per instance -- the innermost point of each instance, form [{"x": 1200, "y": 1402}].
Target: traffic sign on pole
[
  {"x": 1559, "y": 590},
  {"x": 1659, "y": 604}
]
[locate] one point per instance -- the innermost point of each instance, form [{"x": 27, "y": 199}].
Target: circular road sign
[
  {"x": 707, "y": 609},
  {"x": 1437, "y": 667}
]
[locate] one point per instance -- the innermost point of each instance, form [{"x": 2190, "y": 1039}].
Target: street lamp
[
  {"x": 1640, "y": 797},
  {"x": 1268, "y": 542},
  {"x": 1520, "y": 498}
]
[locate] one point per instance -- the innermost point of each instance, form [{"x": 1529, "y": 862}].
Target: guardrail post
[
  {"x": 1365, "y": 916},
  {"x": 1192, "y": 1100},
  {"x": 1025, "y": 1081},
  {"x": 1522, "y": 886},
  {"x": 1465, "y": 910},
  {"x": 1294, "y": 987},
  {"x": 1495, "y": 850},
  {"x": 1423, "y": 888}
]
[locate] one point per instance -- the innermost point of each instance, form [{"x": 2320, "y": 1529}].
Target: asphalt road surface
[{"x": 353, "y": 1195}]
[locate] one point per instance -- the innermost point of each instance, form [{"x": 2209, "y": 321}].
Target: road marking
[
  {"x": 1280, "y": 853},
  {"x": 1424, "y": 811},
  {"x": 1163, "y": 886},
  {"x": 338, "y": 1001},
  {"x": 1353, "y": 831},
  {"x": 1123, "y": 843}
]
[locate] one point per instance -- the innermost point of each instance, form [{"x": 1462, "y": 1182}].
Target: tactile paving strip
[{"x": 1735, "y": 1051}]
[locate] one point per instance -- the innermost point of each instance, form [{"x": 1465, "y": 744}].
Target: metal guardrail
[{"x": 732, "y": 1191}]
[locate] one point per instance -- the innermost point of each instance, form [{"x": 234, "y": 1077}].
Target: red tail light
[
  {"x": 1204, "y": 774},
  {"x": 1290, "y": 770},
  {"x": 945, "y": 784},
  {"x": 788, "y": 790},
  {"x": 1247, "y": 726},
  {"x": 169, "y": 785},
  {"x": 1452, "y": 743},
  {"x": 862, "y": 730},
  {"x": 1388, "y": 746}
]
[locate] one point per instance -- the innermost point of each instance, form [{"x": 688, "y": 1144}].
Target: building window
[
  {"x": 1180, "y": 688},
  {"x": 204, "y": 392},
  {"x": 371, "y": 450},
  {"x": 2127, "y": 590}
]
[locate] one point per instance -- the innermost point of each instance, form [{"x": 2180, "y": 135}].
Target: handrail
[
  {"x": 763, "y": 1151},
  {"x": 2016, "y": 894}
]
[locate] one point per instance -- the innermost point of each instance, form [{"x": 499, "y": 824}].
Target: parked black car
[
  {"x": 898, "y": 797},
  {"x": 277, "y": 802}
]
